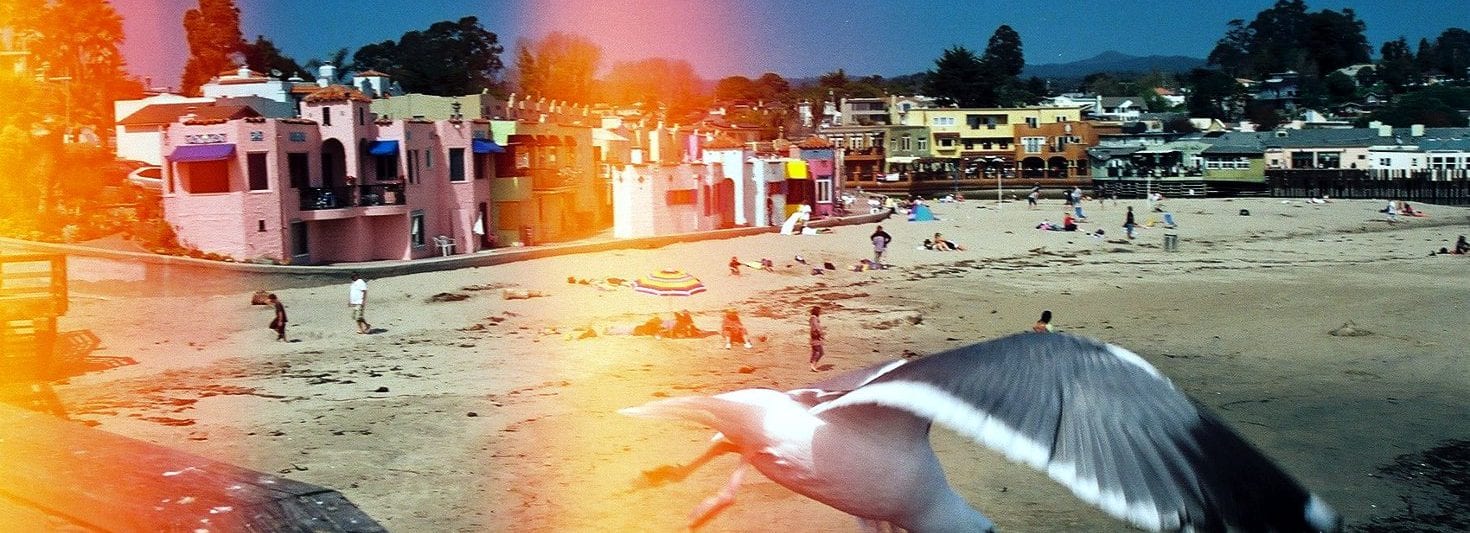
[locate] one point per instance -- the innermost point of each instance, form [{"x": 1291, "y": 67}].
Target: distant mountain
[{"x": 1111, "y": 61}]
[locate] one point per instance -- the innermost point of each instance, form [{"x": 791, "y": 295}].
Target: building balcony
[{"x": 326, "y": 198}]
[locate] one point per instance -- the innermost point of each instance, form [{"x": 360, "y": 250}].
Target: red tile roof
[
  {"x": 814, "y": 143},
  {"x": 337, "y": 93},
  {"x": 722, "y": 142},
  {"x": 367, "y": 73},
  {"x": 170, "y": 113},
  {"x": 236, "y": 71}
]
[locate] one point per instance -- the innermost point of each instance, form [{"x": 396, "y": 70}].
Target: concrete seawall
[{"x": 113, "y": 272}]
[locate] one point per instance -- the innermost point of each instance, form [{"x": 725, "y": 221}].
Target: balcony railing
[{"x": 318, "y": 198}]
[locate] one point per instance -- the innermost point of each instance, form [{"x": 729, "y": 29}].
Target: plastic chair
[{"x": 445, "y": 244}]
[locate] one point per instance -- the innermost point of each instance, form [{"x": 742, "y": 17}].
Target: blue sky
[{"x": 794, "y": 38}]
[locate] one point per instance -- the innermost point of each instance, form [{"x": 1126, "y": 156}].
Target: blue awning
[
  {"x": 486, "y": 146},
  {"x": 383, "y": 148},
  {"x": 191, "y": 153}
]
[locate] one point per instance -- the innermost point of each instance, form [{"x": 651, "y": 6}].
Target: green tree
[
  {"x": 775, "y": 87},
  {"x": 213, "y": 34},
  {"x": 1452, "y": 53},
  {"x": 76, "y": 43},
  {"x": 263, "y": 56},
  {"x": 1340, "y": 88},
  {"x": 1213, "y": 94},
  {"x": 1433, "y": 107},
  {"x": 1396, "y": 64},
  {"x": 559, "y": 66},
  {"x": 1287, "y": 37},
  {"x": 658, "y": 82},
  {"x": 958, "y": 79},
  {"x": 736, "y": 88},
  {"x": 449, "y": 58},
  {"x": 1334, "y": 40},
  {"x": 1003, "y": 53}
]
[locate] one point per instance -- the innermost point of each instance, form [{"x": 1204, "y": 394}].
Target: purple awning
[{"x": 191, "y": 153}]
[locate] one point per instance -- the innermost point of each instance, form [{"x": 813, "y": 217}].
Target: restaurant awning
[
  {"x": 902, "y": 159},
  {"x": 383, "y": 148},
  {"x": 485, "y": 146},
  {"x": 192, "y": 153}
]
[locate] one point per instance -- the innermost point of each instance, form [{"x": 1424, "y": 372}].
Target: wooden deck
[{"x": 93, "y": 479}]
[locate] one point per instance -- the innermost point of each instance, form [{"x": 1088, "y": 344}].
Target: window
[
  {"x": 1385, "y": 162},
  {"x": 428, "y": 159},
  {"x": 1033, "y": 121},
  {"x": 361, "y": 116},
  {"x": 906, "y": 143},
  {"x": 824, "y": 191},
  {"x": 300, "y": 169},
  {"x": 923, "y": 145},
  {"x": 416, "y": 228},
  {"x": 1033, "y": 144},
  {"x": 387, "y": 166},
  {"x": 456, "y": 164},
  {"x": 256, "y": 171},
  {"x": 946, "y": 143},
  {"x": 260, "y": 226},
  {"x": 326, "y": 115},
  {"x": 413, "y": 166}
]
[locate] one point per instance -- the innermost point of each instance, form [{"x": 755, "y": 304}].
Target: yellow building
[{"x": 982, "y": 141}]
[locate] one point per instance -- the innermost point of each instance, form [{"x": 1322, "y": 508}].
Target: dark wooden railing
[
  {"x": 1445, "y": 187},
  {"x": 318, "y": 198}
]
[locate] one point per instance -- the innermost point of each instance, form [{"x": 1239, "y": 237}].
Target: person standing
[
  {"x": 880, "y": 240},
  {"x": 1128, "y": 223},
  {"x": 279, "y": 322},
  {"x": 818, "y": 335},
  {"x": 357, "y": 301}
]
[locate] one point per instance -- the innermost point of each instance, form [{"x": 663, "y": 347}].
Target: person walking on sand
[
  {"x": 818, "y": 335},
  {"x": 279, "y": 322},
  {"x": 357, "y": 300},
  {"x": 1128, "y": 223},
  {"x": 880, "y": 240},
  {"x": 1043, "y": 325}
]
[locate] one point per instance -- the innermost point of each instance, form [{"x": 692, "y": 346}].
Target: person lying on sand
[{"x": 945, "y": 246}]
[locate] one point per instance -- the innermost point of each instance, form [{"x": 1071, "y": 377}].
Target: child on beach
[
  {"x": 1043, "y": 325},
  {"x": 734, "y": 266},
  {"x": 818, "y": 334},
  {"x": 278, "y": 323},
  {"x": 733, "y": 330}
]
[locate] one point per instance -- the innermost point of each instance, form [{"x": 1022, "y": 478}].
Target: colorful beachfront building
[
  {"x": 753, "y": 184},
  {"x": 823, "y": 185},
  {"x": 663, "y": 199},
  {"x": 335, "y": 185}
]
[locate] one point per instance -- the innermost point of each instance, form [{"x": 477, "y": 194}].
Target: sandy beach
[{"x": 490, "y": 414}]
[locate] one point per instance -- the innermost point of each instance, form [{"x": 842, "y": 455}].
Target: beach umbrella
[{"x": 668, "y": 282}]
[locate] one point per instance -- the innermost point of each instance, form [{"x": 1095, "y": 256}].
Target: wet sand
[{"x": 486, "y": 414}]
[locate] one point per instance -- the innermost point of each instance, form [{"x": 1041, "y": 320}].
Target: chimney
[
  {"x": 1416, "y": 130},
  {"x": 1385, "y": 130},
  {"x": 243, "y": 71},
  {"x": 326, "y": 74}
]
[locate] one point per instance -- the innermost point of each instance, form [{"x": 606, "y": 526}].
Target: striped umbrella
[{"x": 668, "y": 282}]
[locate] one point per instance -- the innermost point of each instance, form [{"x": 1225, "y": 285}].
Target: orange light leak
[{"x": 72, "y": 198}]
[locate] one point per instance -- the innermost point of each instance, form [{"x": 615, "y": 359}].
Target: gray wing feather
[{"x": 1100, "y": 420}]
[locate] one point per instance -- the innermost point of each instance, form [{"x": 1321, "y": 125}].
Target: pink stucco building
[{"x": 335, "y": 185}]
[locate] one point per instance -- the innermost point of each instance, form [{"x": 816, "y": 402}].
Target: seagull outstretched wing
[{"x": 1102, "y": 421}]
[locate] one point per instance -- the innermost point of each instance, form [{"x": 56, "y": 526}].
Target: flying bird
[{"x": 1093, "y": 416}]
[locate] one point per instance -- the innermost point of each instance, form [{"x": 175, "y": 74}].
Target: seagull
[{"x": 1094, "y": 417}]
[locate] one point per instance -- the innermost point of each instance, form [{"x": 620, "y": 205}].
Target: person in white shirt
[{"x": 356, "y": 300}]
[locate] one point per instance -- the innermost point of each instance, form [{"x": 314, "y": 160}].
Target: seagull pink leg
[
  {"x": 674, "y": 473},
  {"x": 712, "y": 505}
]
